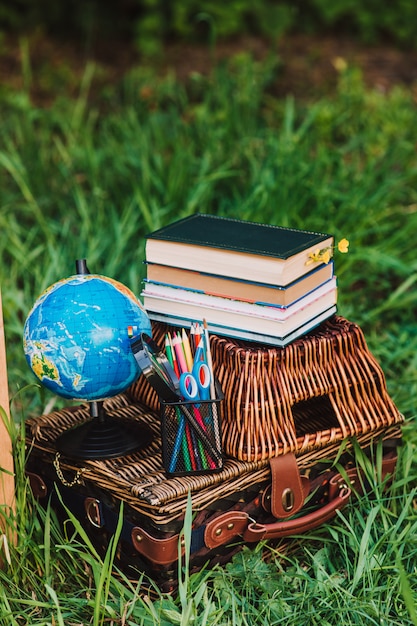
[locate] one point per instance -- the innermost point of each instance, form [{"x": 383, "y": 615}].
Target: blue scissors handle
[
  {"x": 201, "y": 373},
  {"x": 196, "y": 385},
  {"x": 188, "y": 387}
]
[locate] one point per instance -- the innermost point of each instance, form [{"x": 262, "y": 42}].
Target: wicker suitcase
[{"x": 245, "y": 502}]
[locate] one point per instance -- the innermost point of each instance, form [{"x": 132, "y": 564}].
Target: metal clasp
[{"x": 287, "y": 500}]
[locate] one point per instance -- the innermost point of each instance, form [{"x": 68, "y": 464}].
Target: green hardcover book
[{"x": 235, "y": 248}]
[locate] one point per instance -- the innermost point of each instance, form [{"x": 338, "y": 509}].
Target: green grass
[{"x": 81, "y": 180}]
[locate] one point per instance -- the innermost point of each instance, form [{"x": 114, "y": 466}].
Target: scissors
[{"x": 196, "y": 385}]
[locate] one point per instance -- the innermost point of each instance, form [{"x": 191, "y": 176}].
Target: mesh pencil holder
[{"x": 191, "y": 436}]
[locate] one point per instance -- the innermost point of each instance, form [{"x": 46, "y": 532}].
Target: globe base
[{"x": 103, "y": 437}]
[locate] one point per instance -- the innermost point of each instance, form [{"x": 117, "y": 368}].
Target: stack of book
[{"x": 248, "y": 281}]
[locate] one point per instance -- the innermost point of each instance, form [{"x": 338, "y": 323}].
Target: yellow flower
[
  {"x": 320, "y": 256},
  {"x": 339, "y": 63},
  {"x": 343, "y": 246},
  {"x": 324, "y": 255}
]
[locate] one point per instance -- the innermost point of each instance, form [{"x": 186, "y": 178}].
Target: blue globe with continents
[{"x": 77, "y": 337}]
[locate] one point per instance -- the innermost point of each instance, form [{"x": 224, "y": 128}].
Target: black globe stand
[{"x": 103, "y": 437}]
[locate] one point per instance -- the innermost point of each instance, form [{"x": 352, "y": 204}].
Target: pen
[
  {"x": 198, "y": 449},
  {"x": 191, "y": 447},
  {"x": 201, "y": 433},
  {"x": 179, "y": 440}
]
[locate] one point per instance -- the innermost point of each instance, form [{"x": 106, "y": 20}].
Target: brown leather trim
[
  {"x": 389, "y": 463},
  {"x": 159, "y": 551},
  {"x": 355, "y": 482},
  {"x": 339, "y": 495},
  {"x": 289, "y": 489},
  {"x": 93, "y": 512},
  {"x": 37, "y": 485},
  {"x": 224, "y": 528}
]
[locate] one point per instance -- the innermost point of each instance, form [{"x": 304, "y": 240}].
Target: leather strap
[
  {"x": 37, "y": 485},
  {"x": 224, "y": 528},
  {"x": 340, "y": 492},
  {"x": 159, "y": 551},
  {"x": 288, "y": 490},
  {"x": 230, "y": 525},
  {"x": 233, "y": 524},
  {"x": 94, "y": 512},
  {"x": 300, "y": 525},
  {"x": 357, "y": 480}
]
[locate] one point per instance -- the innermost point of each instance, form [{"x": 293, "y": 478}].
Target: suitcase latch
[
  {"x": 288, "y": 490},
  {"x": 93, "y": 512},
  {"x": 288, "y": 500}
]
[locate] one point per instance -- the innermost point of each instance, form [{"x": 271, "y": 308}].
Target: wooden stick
[{"x": 6, "y": 457}]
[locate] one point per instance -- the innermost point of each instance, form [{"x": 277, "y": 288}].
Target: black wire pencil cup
[{"x": 189, "y": 399}]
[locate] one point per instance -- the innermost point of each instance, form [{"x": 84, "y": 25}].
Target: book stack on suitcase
[
  {"x": 304, "y": 426},
  {"x": 250, "y": 281}
]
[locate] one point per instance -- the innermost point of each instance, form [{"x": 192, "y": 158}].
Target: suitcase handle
[
  {"x": 340, "y": 493},
  {"x": 225, "y": 527},
  {"x": 303, "y": 524},
  {"x": 228, "y": 525}
]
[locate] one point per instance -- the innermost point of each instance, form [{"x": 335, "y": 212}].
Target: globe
[{"x": 77, "y": 337}]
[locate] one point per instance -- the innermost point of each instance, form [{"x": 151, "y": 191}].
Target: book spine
[{"x": 238, "y": 333}]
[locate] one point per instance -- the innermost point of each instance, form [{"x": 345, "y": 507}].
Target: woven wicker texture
[
  {"x": 315, "y": 392},
  {"x": 139, "y": 479}
]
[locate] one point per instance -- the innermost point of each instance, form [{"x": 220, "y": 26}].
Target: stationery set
[{"x": 187, "y": 391}]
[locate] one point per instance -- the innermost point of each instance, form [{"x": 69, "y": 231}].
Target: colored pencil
[{"x": 187, "y": 350}]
